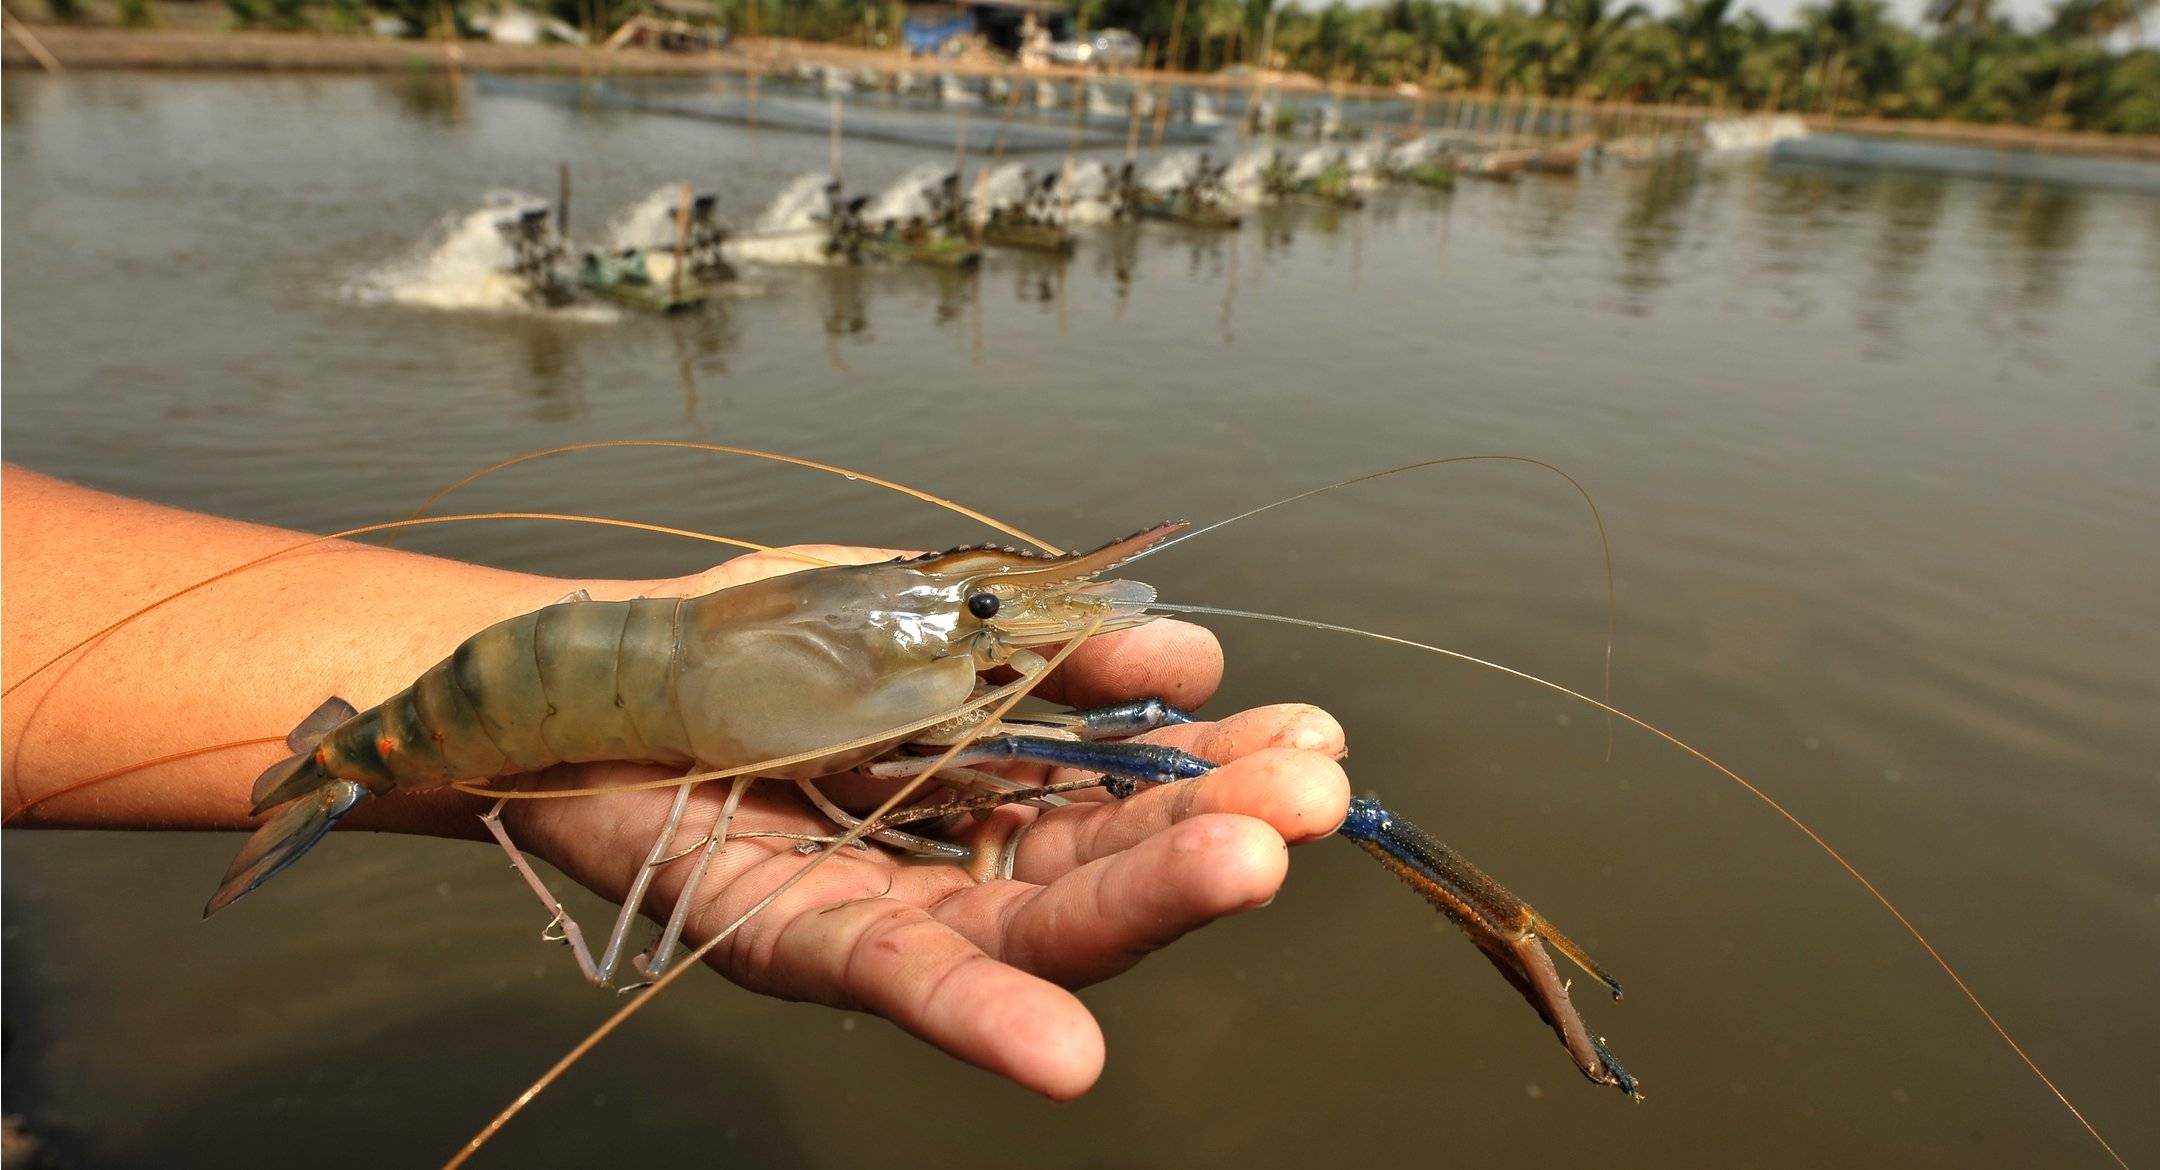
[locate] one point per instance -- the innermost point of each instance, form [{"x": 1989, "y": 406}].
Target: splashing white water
[
  {"x": 464, "y": 265},
  {"x": 1310, "y": 164},
  {"x": 954, "y": 92},
  {"x": 1415, "y": 152},
  {"x": 1242, "y": 181},
  {"x": 1752, "y": 133},
  {"x": 1099, "y": 104},
  {"x": 1203, "y": 110},
  {"x": 789, "y": 230},
  {"x": 1084, "y": 193},
  {"x": 1007, "y": 186},
  {"x": 1171, "y": 172},
  {"x": 908, "y": 197},
  {"x": 1365, "y": 162},
  {"x": 648, "y": 223},
  {"x": 1046, "y": 95}
]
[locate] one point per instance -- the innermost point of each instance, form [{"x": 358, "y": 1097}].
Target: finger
[
  {"x": 1175, "y": 661},
  {"x": 1300, "y": 726},
  {"x": 892, "y": 958},
  {"x": 1302, "y": 796},
  {"x": 1105, "y": 916},
  {"x": 603, "y": 842}
]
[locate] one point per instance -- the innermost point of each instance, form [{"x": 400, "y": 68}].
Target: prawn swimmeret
[{"x": 874, "y": 670}]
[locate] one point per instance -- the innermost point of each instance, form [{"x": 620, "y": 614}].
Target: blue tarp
[{"x": 925, "y": 39}]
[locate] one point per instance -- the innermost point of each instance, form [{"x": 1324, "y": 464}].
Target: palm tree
[
  {"x": 2098, "y": 20},
  {"x": 1841, "y": 33},
  {"x": 1710, "y": 46},
  {"x": 1221, "y": 24},
  {"x": 1585, "y": 29},
  {"x": 1960, "y": 16}
]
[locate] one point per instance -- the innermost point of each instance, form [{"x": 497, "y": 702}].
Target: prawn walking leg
[
  {"x": 575, "y": 937},
  {"x": 597, "y": 972},
  {"x": 653, "y": 963},
  {"x": 636, "y": 898}
]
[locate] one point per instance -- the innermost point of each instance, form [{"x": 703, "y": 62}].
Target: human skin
[{"x": 981, "y": 970}]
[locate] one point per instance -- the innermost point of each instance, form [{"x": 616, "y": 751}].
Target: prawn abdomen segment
[{"x": 571, "y": 683}]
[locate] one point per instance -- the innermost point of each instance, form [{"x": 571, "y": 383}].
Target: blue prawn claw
[{"x": 1509, "y": 933}]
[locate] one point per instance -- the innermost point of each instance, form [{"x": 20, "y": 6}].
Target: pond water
[{"x": 1878, "y": 457}]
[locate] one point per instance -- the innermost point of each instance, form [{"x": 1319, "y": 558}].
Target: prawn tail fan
[
  {"x": 296, "y": 774},
  {"x": 279, "y": 841},
  {"x": 314, "y": 800}
]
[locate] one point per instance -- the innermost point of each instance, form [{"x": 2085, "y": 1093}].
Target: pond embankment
[{"x": 94, "y": 47}]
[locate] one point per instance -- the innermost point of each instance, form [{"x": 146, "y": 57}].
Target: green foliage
[
  {"x": 64, "y": 11},
  {"x": 278, "y": 14},
  {"x": 347, "y": 16},
  {"x": 1846, "y": 56},
  {"x": 135, "y": 14}
]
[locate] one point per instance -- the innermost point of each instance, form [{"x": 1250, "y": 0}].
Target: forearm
[{"x": 243, "y": 658}]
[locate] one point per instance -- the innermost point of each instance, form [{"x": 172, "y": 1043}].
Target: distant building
[{"x": 1003, "y": 24}]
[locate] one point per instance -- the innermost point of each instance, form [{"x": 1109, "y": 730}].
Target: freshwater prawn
[{"x": 892, "y": 658}]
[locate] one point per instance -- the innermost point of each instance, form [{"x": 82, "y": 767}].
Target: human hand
[{"x": 982, "y": 970}]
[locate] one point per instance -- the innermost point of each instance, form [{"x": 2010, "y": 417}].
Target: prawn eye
[{"x": 983, "y": 605}]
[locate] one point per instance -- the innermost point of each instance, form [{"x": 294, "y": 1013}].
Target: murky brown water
[{"x": 1878, "y": 455}]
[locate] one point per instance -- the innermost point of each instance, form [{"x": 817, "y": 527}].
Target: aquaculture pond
[{"x": 1877, "y": 454}]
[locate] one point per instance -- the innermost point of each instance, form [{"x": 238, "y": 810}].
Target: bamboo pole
[
  {"x": 1012, "y": 105},
  {"x": 452, "y": 51},
  {"x": 979, "y": 212},
  {"x": 834, "y": 161},
  {"x": 585, "y": 48},
  {"x": 1162, "y": 103},
  {"x": 682, "y": 241},
  {"x": 1132, "y": 123},
  {"x": 32, "y": 45},
  {"x": 562, "y": 201}
]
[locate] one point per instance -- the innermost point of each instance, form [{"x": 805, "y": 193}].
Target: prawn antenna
[
  {"x": 137, "y": 766},
  {"x": 1597, "y": 517},
  {"x": 416, "y": 519},
  {"x": 846, "y": 473},
  {"x": 1790, "y": 817},
  {"x": 393, "y": 526}
]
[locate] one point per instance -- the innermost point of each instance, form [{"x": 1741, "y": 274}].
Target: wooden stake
[
  {"x": 562, "y": 201},
  {"x": 1132, "y": 123},
  {"x": 31, "y": 45},
  {"x": 835, "y": 161},
  {"x": 682, "y": 239},
  {"x": 1162, "y": 101},
  {"x": 452, "y": 51},
  {"x": 1012, "y": 105}
]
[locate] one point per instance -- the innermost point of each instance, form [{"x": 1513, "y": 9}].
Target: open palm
[{"x": 982, "y": 969}]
